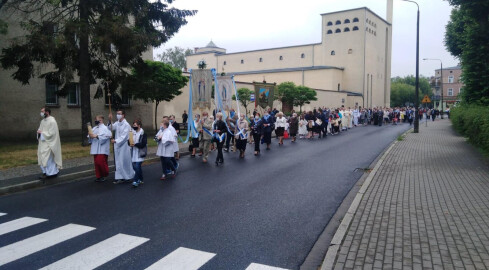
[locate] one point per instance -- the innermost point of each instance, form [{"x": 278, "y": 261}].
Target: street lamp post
[
  {"x": 441, "y": 82},
  {"x": 416, "y": 101}
]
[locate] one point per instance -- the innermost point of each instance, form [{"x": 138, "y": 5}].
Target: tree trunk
[
  {"x": 156, "y": 115},
  {"x": 84, "y": 58}
]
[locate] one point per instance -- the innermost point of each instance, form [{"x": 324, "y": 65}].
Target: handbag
[{"x": 286, "y": 134}]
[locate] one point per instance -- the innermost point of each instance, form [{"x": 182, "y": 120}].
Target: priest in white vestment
[
  {"x": 123, "y": 162},
  {"x": 356, "y": 115},
  {"x": 49, "y": 148}
]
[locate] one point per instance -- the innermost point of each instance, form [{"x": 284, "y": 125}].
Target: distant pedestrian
[
  {"x": 280, "y": 123},
  {"x": 184, "y": 118},
  {"x": 293, "y": 126},
  {"x": 257, "y": 132},
  {"x": 241, "y": 135}
]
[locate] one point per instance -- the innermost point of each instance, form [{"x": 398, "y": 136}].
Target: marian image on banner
[
  {"x": 226, "y": 91},
  {"x": 264, "y": 95},
  {"x": 201, "y": 89}
]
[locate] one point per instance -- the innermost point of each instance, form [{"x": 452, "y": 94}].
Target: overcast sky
[{"x": 259, "y": 24}]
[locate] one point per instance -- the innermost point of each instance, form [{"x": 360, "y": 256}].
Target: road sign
[
  {"x": 252, "y": 97},
  {"x": 426, "y": 99}
]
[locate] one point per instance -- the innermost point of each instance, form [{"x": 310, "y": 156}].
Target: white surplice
[{"x": 122, "y": 150}]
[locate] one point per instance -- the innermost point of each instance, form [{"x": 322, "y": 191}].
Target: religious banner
[
  {"x": 226, "y": 91},
  {"x": 201, "y": 89},
  {"x": 264, "y": 93}
]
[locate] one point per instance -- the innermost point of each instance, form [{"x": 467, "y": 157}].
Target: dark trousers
[
  {"x": 166, "y": 165},
  {"x": 229, "y": 137},
  {"x": 220, "y": 157},
  {"x": 324, "y": 129},
  {"x": 433, "y": 117},
  {"x": 138, "y": 170},
  {"x": 257, "y": 139}
]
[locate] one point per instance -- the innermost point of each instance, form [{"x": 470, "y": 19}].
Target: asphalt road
[{"x": 268, "y": 210}]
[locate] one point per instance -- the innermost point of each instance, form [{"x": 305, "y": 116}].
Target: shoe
[
  {"x": 135, "y": 184},
  {"x": 217, "y": 163},
  {"x": 204, "y": 160},
  {"x": 43, "y": 176},
  {"x": 163, "y": 177},
  {"x": 117, "y": 181},
  {"x": 192, "y": 156},
  {"x": 98, "y": 180}
]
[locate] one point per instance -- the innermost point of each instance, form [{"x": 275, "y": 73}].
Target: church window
[
  {"x": 51, "y": 96},
  {"x": 242, "y": 61},
  {"x": 303, "y": 56},
  {"x": 347, "y": 21},
  {"x": 355, "y": 19},
  {"x": 281, "y": 58},
  {"x": 260, "y": 60},
  {"x": 338, "y": 22},
  {"x": 346, "y": 29},
  {"x": 355, "y": 28},
  {"x": 330, "y": 32},
  {"x": 333, "y": 53},
  {"x": 375, "y": 33},
  {"x": 330, "y": 23},
  {"x": 224, "y": 63},
  {"x": 338, "y": 30},
  {"x": 350, "y": 51}
]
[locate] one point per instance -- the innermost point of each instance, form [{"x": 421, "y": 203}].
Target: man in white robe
[
  {"x": 356, "y": 115},
  {"x": 123, "y": 163},
  {"x": 49, "y": 148},
  {"x": 100, "y": 148},
  {"x": 174, "y": 143}
]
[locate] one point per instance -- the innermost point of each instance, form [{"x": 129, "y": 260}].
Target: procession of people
[{"x": 206, "y": 134}]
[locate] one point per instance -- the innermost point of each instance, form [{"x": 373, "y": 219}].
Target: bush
[{"x": 472, "y": 121}]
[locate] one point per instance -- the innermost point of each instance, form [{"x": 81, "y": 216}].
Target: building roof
[
  {"x": 455, "y": 67},
  {"x": 211, "y": 45},
  {"x": 353, "y": 9}
]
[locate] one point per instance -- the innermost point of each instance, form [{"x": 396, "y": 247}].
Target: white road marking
[
  {"x": 98, "y": 254},
  {"x": 2, "y": 214},
  {"x": 256, "y": 266},
  {"x": 39, "y": 242},
  {"x": 183, "y": 259},
  {"x": 19, "y": 224}
]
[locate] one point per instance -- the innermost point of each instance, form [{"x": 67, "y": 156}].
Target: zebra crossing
[{"x": 98, "y": 254}]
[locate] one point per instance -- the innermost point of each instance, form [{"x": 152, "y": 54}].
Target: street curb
[
  {"x": 339, "y": 236},
  {"x": 63, "y": 178}
]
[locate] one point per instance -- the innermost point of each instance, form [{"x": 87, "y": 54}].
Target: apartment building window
[
  {"x": 281, "y": 58},
  {"x": 338, "y": 30},
  {"x": 303, "y": 56},
  {"x": 224, "y": 63},
  {"x": 347, "y": 21},
  {"x": 346, "y": 29},
  {"x": 51, "y": 95},
  {"x": 242, "y": 61},
  {"x": 333, "y": 53},
  {"x": 450, "y": 92},
  {"x": 330, "y": 23},
  {"x": 73, "y": 97},
  {"x": 355, "y": 28},
  {"x": 330, "y": 32},
  {"x": 450, "y": 79},
  {"x": 338, "y": 22},
  {"x": 355, "y": 19},
  {"x": 260, "y": 60},
  {"x": 350, "y": 51}
]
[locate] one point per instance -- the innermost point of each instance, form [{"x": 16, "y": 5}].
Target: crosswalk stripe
[
  {"x": 256, "y": 266},
  {"x": 182, "y": 259},
  {"x": 39, "y": 242},
  {"x": 19, "y": 224},
  {"x": 98, "y": 254},
  {"x": 2, "y": 214}
]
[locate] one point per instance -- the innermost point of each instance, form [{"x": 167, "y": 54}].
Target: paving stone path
[{"x": 427, "y": 207}]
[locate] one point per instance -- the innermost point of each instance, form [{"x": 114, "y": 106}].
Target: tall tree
[
  {"x": 155, "y": 82},
  {"x": 176, "y": 57},
  {"x": 96, "y": 40},
  {"x": 466, "y": 37},
  {"x": 304, "y": 95},
  {"x": 244, "y": 96},
  {"x": 402, "y": 93}
]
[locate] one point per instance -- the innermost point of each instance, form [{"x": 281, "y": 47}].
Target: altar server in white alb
[
  {"x": 123, "y": 163},
  {"x": 100, "y": 149},
  {"x": 49, "y": 148}
]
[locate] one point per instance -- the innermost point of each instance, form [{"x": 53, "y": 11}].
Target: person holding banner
[
  {"x": 123, "y": 164},
  {"x": 205, "y": 127},
  {"x": 100, "y": 148},
  {"x": 195, "y": 134},
  {"x": 241, "y": 135},
  {"x": 220, "y": 131},
  {"x": 257, "y": 132}
]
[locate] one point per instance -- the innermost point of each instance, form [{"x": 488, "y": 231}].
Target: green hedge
[{"x": 472, "y": 121}]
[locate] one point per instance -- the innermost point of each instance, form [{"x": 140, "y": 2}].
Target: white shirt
[
  {"x": 165, "y": 145},
  {"x": 135, "y": 151},
  {"x": 100, "y": 145},
  {"x": 280, "y": 122}
]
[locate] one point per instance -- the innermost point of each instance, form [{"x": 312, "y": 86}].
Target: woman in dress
[
  {"x": 256, "y": 127},
  {"x": 302, "y": 127},
  {"x": 219, "y": 136},
  {"x": 280, "y": 123},
  {"x": 293, "y": 126},
  {"x": 241, "y": 136},
  {"x": 311, "y": 119},
  {"x": 268, "y": 127}
]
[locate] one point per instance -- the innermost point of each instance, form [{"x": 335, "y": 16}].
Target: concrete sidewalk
[
  {"x": 24, "y": 178},
  {"x": 425, "y": 205}
]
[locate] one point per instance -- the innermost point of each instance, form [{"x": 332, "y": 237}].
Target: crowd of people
[{"x": 207, "y": 133}]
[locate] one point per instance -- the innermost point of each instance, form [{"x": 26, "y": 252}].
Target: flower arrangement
[{"x": 202, "y": 64}]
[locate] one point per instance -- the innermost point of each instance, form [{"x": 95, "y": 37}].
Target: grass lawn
[{"x": 22, "y": 154}]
